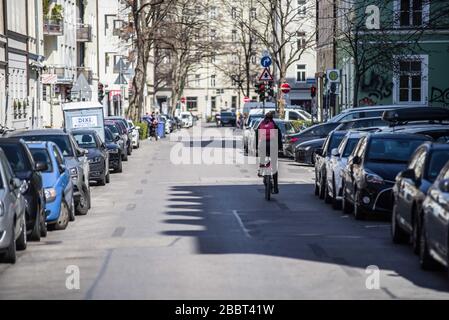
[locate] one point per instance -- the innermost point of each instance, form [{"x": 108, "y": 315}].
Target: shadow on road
[{"x": 235, "y": 219}]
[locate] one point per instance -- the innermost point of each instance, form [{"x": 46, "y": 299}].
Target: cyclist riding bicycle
[{"x": 267, "y": 132}]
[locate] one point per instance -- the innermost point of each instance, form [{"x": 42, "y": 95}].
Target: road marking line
[{"x": 239, "y": 220}]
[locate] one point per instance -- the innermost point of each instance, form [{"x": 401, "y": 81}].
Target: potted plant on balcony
[{"x": 57, "y": 13}]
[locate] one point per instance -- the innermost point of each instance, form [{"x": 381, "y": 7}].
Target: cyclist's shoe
[{"x": 275, "y": 190}]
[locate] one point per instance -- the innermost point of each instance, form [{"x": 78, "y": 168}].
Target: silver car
[{"x": 12, "y": 212}]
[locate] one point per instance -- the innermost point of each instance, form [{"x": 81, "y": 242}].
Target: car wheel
[
  {"x": 84, "y": 203},
  {"x": 415, "y": 238},
  {"x": 10, "y": 255},
  {"x": 346, "y": 206},
  {"x": 322, "y": 193},
  {"x": 120, "y": 166},
  {"x": 36, "y": 232},
  {"x": 359, "y": 213},
  {"x": 21, "y": 243},
  {"x": 108, "y": 177},
  {"x": 102, "y": 181},
  {"x": 327, "y": 197},
  {"x": 398, "y": 235},
  {"x": 317, "y": 189},
  {"x": 125, "y": 156},
  {"x": 44, "y": 230},
  {"x": 425, "y": 259},
  {"x": 64, "y": 217},
  {"x": 336, "y": 205},
  {"x": 72, "y": 210}
]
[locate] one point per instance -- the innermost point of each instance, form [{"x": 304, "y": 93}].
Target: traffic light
[
  {"x": 270, "y": 90},
  {"x": 100, "y": 92},
  {"x": 313, "y": 91}
]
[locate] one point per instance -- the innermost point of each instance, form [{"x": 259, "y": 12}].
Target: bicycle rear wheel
[{"x": 267, "y": 182}]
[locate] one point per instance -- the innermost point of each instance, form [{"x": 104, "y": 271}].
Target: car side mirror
[
  {"x": 16, "y": 183},
  {"x": 408, "y": 174},
  {"x": 335, "y": 153},
  {"x": 319, "y": 152},
  {"x": 23, "y": 187},
  {"x": 444, "y": 186},
  {"x": 356, "y": 160},
  {"x": 117, "y": 138},
  {"x": 41, "y": 166},
  {"x": 62, "y": 168}
]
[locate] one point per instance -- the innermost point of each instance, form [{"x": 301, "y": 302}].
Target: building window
[
  {"x": 302, "y": 7},
  {"x": 192, "y": 103},
  {"x": 197, "y": 80},
  {"x": 253, "y": 13},
  {"x": 213, "y": 81},
  {"x": 411, "y": 12},
  {"x": 301, "y": 73},
  {"x": 213, "y": 12},
  {"x": 301, "y": 43},
  {"x": 213, "y": 34},
  {"x": 234, "y": 102},
  {"x": 234, "y": 13},
  {"x": 213, "y": 103},
  {"x": 212, "y": 58},
  {"x": 411, "y": 80},
  {"x": 234, "y": 36}
]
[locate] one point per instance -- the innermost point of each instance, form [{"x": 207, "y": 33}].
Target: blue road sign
[{"x": 266, "y": 62}]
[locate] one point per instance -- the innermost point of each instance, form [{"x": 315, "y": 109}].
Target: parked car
[
  {"x": 411, "y": 189},
  {"x": 322, "y": 158},
  {"x": 98, "y": 154},
  {"x": 59, "y": 201},
  {"x": 365, "y": 123},
  {"x": 119, "y": 138},
  {"x": 12, "y": 213},
  {"x": 336, "y": 164},
  {"x": 251, "y": 125},
  {"x": 370, "y": 174},
  {"x": 228, "y": 118},
  {"x": 26, "y": 169},
  {"x": 318, "y": 131},
  {"x": 305, "y": 152},
  {"x": 135, "y": 141},
  {"x": 115, "y": 158},
  {"x": 75, "y": 158},
  {"x": 434, "y": 236},
  {"x": 365, "y": 112},
  {"x": 125, "y": 131},
  {"x": 187, "y": 119}
]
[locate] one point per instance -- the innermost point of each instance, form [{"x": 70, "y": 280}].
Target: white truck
[{"x": 84, "y": 115}]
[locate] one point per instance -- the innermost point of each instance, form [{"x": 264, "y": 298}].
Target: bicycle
[{"x": 266, "y": 172}]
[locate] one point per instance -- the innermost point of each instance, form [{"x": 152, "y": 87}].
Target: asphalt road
[{"x": 163, "y": 230}]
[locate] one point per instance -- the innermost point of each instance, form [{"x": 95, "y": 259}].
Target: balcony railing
[
  {"x": 53, "y": 27},
  {"x": 88, "y": 74},
  {"x": 84, "y": 33},
  {"x": 64, "y": 74}
]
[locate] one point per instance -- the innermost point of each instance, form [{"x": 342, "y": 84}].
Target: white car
[
  {"x": 135, "y": 135},
  {"x": 187, "y": 119},
  {"x": 337, "y": 163}
]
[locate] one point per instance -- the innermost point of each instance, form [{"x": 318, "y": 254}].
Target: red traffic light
[{"x": 313, "y": 91}]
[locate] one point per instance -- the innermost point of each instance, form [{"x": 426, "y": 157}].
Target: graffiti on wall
[
  {"x": 377, "y": 87},
  {"x": 439, "y": 95}
]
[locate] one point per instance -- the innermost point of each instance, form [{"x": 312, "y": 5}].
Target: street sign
[
  {"x": 183, "y": 100},
  {"x": 333, "y": 75},
  {"x": 266, "y": 75},
  {"x": 285, "y": 88},
  {"x": 246, "y": 99},
  {"x": 266, "y": 62},
  {"x": 265, "y": 53}
]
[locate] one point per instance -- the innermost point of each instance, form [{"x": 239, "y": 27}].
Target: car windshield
[
  {"x": 113, "y": 128},
  {"x": 392, "y": 149},
  {"x": 437, "y": 161},
  {"x": 41, "y": 155},
  {"x": 226, "y": 114},
  {"x": 108, "y": 135},
  {"x": 16, "y": 157},
  {"x": 350, "y": 145},
  {"x": 185, "y": 116},
  {"x": 62, "y": 141},
  {"x": 85, "y": 140},
  {"x": 289, "y": 128}
]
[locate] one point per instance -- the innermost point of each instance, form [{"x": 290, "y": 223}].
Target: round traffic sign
[
  {"x": 266, "y": 62},
  {"x": 183, "y": 100},
  {"x": 285, "y": 88}
]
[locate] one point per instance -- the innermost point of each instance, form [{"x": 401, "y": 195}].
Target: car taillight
[{"x": 293, "y": 140}]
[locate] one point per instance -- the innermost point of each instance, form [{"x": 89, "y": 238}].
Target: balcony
[
  {"x": 64, "y": 74},
  {"x": 88, "y": 74},
  {"x": 53, "y": 27},
  {"x": 84, "y": 33}
]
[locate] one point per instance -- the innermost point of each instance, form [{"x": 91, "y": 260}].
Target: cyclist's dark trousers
[{"x": 268, "y": 154}]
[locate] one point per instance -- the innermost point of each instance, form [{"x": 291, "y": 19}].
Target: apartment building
[{"x": 115, "y": 54}]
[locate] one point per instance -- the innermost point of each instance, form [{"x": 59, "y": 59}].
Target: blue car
[{"x": 58, "y": 187}]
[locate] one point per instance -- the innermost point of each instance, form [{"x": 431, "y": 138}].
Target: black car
[
  {"x": 321, "y": 157},
  {"x": 370, "y": 173},
  {"x": 115, "y": 157},
  {"x": 376, "y": 122},
  {"x": 120, "y": 138},
  {"x": 24, "y": 167},
  {"x": 125, "y": 131},
  {"x": 411, "y": 189},
  {"x": 97, "y": 154},
  {"x": 318, "y": 131},
  {"x": 305, "y": 152},
  {"x": 434, "y": 237},
  {"x": 228, "y": 118}
]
